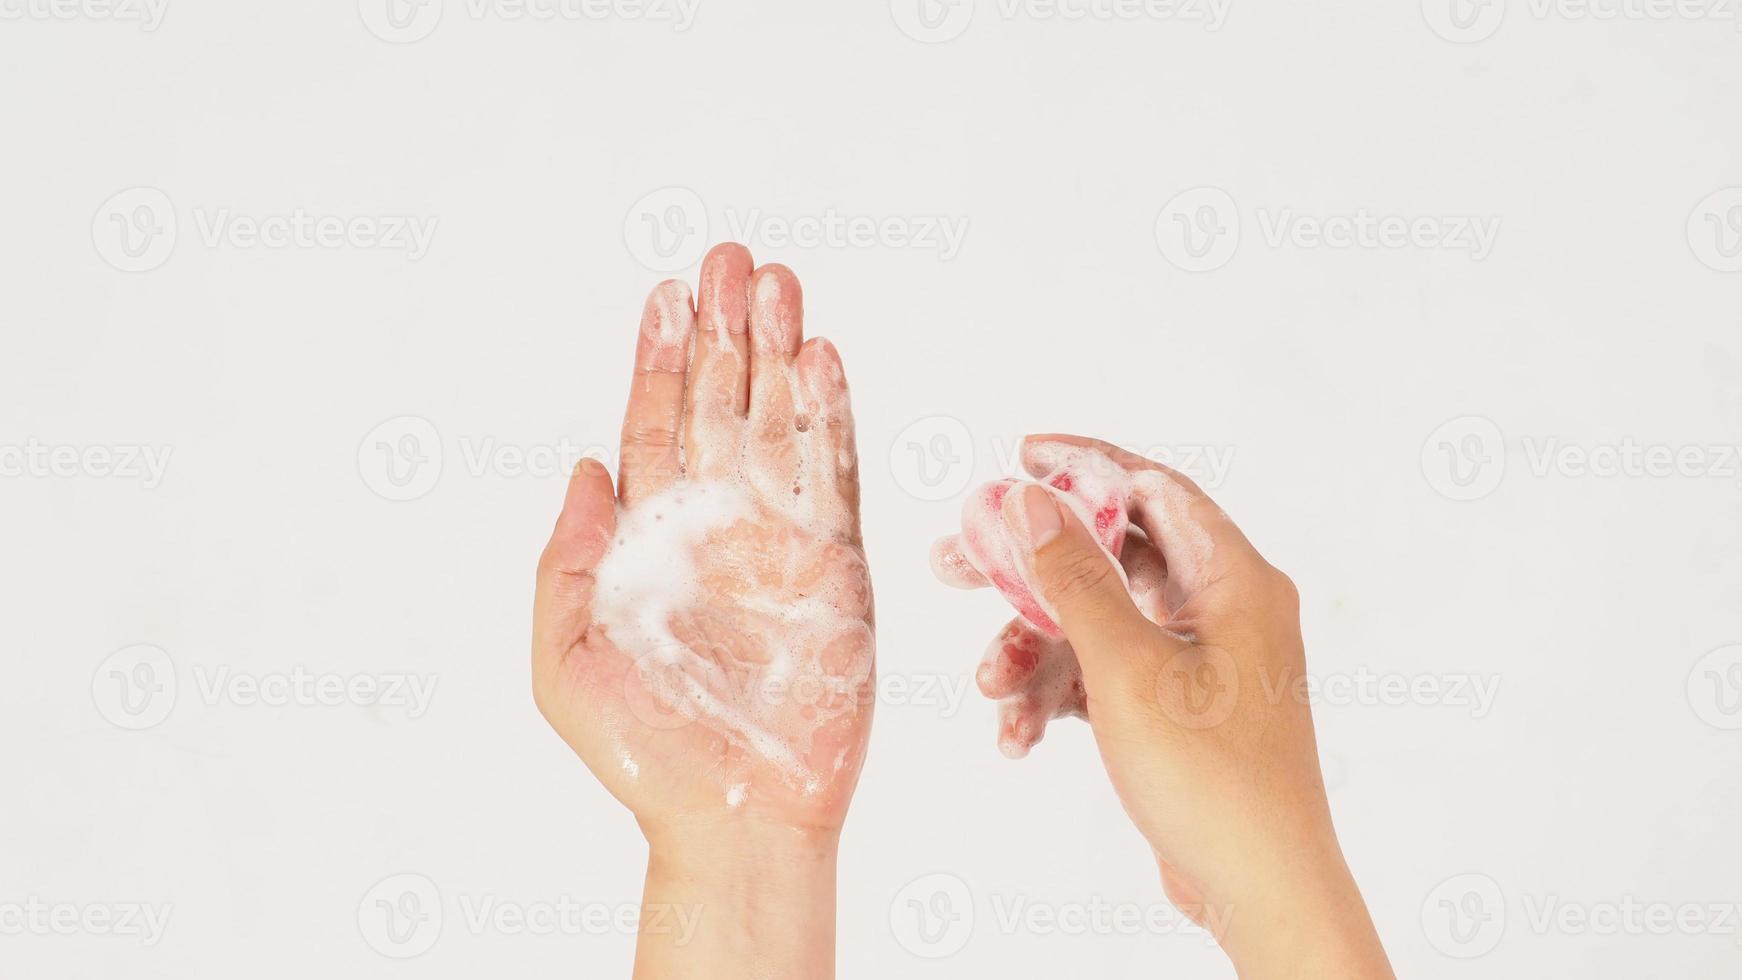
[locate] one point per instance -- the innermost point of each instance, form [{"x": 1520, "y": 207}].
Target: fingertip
[
  {"x": 588, "y": 517},
  {"x": 1032, "y": 515},
  {"x": 1010, "y": 661},
  {"x": 667, "y": 326},
  {"x": 776, "y": 310},
  {"x": 723, "y": 304},
  {"x": 1019, "y": 728},
  {"x": 821, "y": 372},
  {"x": 1042, "y": 452},
  {"x": 951, "y": 565}
]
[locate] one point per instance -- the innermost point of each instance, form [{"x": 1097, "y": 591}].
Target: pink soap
[{"x": 1092, "y": 486}]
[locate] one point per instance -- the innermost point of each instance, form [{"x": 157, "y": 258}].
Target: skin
[
  {"x": 742, "y": 856},
  {"x": 728, "y": 391},
  {"x": 1191, "y": 680}
]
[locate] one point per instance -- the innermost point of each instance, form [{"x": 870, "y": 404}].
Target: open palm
[{"x": 702, "y": 632}]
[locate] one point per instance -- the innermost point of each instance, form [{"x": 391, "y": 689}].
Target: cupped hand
[{"x": 1185, "y": 655}]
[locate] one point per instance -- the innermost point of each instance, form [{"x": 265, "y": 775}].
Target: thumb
[
  {"x": 1078, "y": 582},
  {"x": 562, "y": 606}
]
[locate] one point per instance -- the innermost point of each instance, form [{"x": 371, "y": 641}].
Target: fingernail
[{"x": 1040, "y": 515}]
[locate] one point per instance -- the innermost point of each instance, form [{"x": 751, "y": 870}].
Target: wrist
[
  {"x": 1306, "y": 919},
  {"x": 759, "y": 896},
  {"x": 738, "y": 847}
]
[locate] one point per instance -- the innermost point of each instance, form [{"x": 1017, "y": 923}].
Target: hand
[
  {"x": 1192, "y": 678},
  {"x": 702, "y": 636}
]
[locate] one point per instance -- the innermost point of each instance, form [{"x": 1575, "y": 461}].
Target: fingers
[
  {"x": 1016, "y": 655},
  {"x": 1046, "y": 684},
  {"x": 719, "y": 376},
  {"x": 1021, "y": 724},
  {"x": 952, "y": 567},
  {"x": 1076, "y": 578},
  {"x": 652, "y": 455},
  {"x": 1010, "y": 660},
  {"x": 776, "y": 331},
  {"x": 1200, "y": 543},
  {"x": 826, "y": 413},
  {"x": 562, "y": 606}
]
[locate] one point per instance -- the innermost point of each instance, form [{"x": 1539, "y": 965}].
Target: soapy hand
[
  {"x": 1185, "y": 656},
  {"x": 702, "y": 634},
  {"x": 1029, "y": 668}
]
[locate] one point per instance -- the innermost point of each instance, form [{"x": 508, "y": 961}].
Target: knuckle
[
  {"x": 1282, "y": 589},
  {"x": 1078, "y": 574}
]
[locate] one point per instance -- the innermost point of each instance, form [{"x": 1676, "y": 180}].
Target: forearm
[
  {"x": 753, "y": 905},
  {"x": 1309, "y": 922}
]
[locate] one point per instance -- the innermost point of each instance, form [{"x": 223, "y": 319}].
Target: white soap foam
[{"x": 651, "y": 574}]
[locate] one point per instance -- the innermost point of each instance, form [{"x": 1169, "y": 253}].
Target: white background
[{"x": 1605, "y": 770}]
